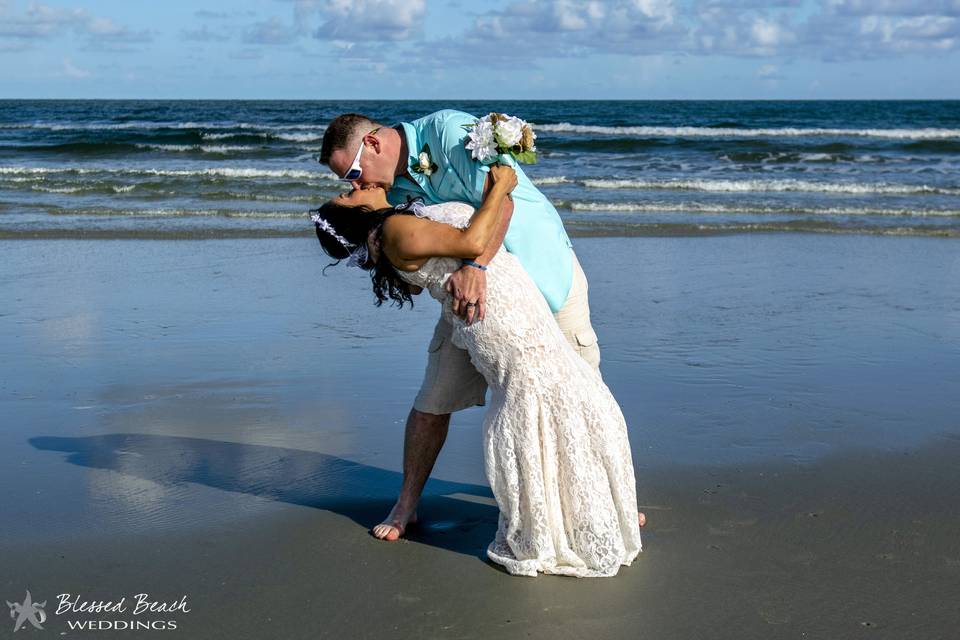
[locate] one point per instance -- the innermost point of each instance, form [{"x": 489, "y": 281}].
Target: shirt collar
[{"x": 413, "y": 153}]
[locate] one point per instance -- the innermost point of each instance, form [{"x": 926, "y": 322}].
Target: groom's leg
[
  {"x": 451, "y": 383},
  {"x": 422, "y": 441},
  {"x": 574, "y": 318},
  {"x": 574, "y": 321}
]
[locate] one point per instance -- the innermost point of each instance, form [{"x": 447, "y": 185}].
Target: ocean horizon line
[{"x": 487, "y": 100}]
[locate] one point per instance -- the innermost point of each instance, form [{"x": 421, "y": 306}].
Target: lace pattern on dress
[{"x": 556, "y": 450}]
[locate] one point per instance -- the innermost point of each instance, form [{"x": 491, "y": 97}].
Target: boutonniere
[{"x": 425, "y": 163}]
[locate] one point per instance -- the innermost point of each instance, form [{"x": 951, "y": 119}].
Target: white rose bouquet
[{"x": 498, "y": 134}]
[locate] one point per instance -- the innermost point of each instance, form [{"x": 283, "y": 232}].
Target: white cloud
[
  {"x": 247, "y": 54},
  {"x": 370, "y": 20},
  {"x": 552, "y": 28},
  {"x": 836, "y": 30},
  {"x": 72, "y": 71},
  {"x": 204, "y": 14},
  {"x": 766, "y": 33},
  {"x": 773, "y": 30},
  {"x": 272, "y": 31},
  {"x": 768, "y": 71},
  {"x": 388, "y": 36},
  {"x": 204, "y": 34},
  {"x": 850, "y": 29},
  {"x": 106, "y": 30},
  {"x": 40, "y": 22},
  {"x": 893, "y": 7}
]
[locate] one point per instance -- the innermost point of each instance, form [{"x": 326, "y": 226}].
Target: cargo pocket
[
  {"x": 586, "y": 338},
  {"x": 435, "y": 343},
  {"x": 588, "y": 348}
]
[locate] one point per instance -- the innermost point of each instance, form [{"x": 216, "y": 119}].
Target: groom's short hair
[{"x": 341, "y": 131}]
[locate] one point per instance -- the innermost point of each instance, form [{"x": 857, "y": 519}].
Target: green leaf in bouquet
[{"x": 525, "y": 157}]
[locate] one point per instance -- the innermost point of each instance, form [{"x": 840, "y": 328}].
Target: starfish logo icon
[{"x": 27, "y": 611}]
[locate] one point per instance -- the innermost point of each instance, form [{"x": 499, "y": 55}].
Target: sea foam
[{"x": 732, "y": 132}]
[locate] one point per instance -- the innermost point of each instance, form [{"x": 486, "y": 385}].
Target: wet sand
[
  {"x": 216, "y": 420},
  {"x": 855, "y": 544}
]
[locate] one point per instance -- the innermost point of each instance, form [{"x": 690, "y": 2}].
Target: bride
[{"x": 556, "y": 451}]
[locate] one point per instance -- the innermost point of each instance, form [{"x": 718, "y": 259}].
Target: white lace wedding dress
[{"x": 555, "y": 442}]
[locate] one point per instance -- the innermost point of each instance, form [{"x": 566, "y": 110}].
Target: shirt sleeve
[{"x": 453, "y": 135}]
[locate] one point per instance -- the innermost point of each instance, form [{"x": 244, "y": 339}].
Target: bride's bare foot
[
  {"x": 641, "y": 518},
  {"x": 395, "y": 525}
]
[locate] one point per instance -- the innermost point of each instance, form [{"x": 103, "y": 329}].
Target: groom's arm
[
  {"x": 469, "y": 283},
  {"x": 506, "y": 213}
]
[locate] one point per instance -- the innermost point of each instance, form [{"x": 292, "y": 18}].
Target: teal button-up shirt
[{"x": 536, "y": 235}]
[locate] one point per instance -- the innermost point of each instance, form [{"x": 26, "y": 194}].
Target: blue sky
[{"x": 449, "y": 49}]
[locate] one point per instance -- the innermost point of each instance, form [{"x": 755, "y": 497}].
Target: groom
[{"x": 428, "y": 158}]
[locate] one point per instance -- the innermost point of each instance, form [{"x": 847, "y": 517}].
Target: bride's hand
[{"x": 503, "y": 177}]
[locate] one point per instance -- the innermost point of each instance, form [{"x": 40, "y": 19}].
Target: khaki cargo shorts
[{"x": 451, "y": 382}]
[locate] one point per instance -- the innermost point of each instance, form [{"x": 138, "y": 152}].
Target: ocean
[{"x": 208, "y": 169}]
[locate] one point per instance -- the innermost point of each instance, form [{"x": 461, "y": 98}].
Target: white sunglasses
[{"x": 354, "y": 172}]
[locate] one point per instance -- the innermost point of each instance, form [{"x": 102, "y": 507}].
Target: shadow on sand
[{"x": 463, "y": 517}]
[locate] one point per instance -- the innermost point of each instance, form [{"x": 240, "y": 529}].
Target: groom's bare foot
[
  {"x": 396, "y": 524},
  {"x": 641, "y": 518}
]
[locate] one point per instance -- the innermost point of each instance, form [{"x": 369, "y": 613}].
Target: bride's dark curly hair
[{"x": 354, "y": 224}]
